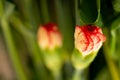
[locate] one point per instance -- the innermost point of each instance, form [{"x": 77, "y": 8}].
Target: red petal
[
  {"x": 84, "y": 43},
  {"x": 88, "y": 38},
  {"x": 90, "y": 45},
  {"x": 81, "y": 42},
  {"x": 97, "y": 41},
  {"x": 101, "y": 36},
  {"x": 77, "y": 31}
]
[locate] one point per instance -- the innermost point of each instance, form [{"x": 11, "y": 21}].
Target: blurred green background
[{"x": 20, "y": 55}]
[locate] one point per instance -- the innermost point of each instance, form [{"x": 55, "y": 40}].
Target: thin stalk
[
  {"x": 76, "y": 75},
  {"x": 59, "y": 13},
  {"x": 32, "y": 45},
  {"x": 30, "y": 12},
  {"x": 12, "y": 51},
  {"x": 115, "y": 25},
  {"x": 80, "y": 75},
  {"x": 65, "y": 22},
  {"x": 57, "y": 75},
  {"x": 60, "y": 18},
  {"x": 1, "y": 8},
  {"x": 119, "y": 66},
  {"x": 36, "y": 58},
  {"x": 77, "y": 16},
  {"x": 111, "y": 64},
  {"x": 18, "y": 25},
  {"x": 44, "y": 10},
  {"x": 113, "y": 43},
  {"x": 37, "y": 15},
  {"x": 68, "y": 69}
]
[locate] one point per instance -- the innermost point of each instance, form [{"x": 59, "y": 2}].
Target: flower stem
[
  {"x": 12, "y": 50},
  {"x": 31, "y": 41},
  {"x": 1, "y": 8},
  {"x": 113, "y": 42},
  {"x": 57, "y": 75},
  {"x": 41, "y": 72},
  {"x": 44, "y": 10},
  {"x": 112, "y": 67},
  {"x": 79, "y": 75},
  {"x": 77, "y": 16}
]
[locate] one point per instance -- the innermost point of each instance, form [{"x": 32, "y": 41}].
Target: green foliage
[{"x": 88, "y": 12}]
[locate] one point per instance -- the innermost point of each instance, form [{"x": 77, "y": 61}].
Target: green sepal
[
  {"x": 53, "y": 59},
  {"x": 81, "y": 62}
]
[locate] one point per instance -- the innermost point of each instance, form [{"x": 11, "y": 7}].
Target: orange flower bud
[
  {"x": 88, "y": 39},
  {"x": 49, "y": 36}
]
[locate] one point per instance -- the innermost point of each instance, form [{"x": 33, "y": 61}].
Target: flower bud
[
  {"x": 49, "y": 36},
  {"x": 88, "y": 39},
  {"x": 50, "y": 42}
]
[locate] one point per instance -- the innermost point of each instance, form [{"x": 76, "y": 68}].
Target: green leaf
[{"x": 89, "y": 10}]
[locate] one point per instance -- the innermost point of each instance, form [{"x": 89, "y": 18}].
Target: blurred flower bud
[
  {"x": 50, "y": 42},
  {"x": 49, "y": 36},
  {"x": 88, "y": 40}
]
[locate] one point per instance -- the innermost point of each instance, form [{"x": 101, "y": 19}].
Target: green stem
[
  {"x": 66, "y": 22},
  {"x": 77, "y": 16},
  {"x": 57, "y": 75},
  {"x": 79, "y": 75},
  {"x": 34, "y": 49},
  {"x": 1, "y": 8},
  {"x": 12, "y": 50},
  {"x": 111, "y": 64},
  {"x": 113, "y": 43},
  {"x": 59, "y": 13},
  {"x": 18, "y": 25},
  {"x": 76, "y": 75},
  {"x": 44, "y": 10},
  {"x": 25, "y": 6},
  {"x": 119, "y": 67},
  {"x": 68, "y": 69},
  {"x": 32, "y": 42}
]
